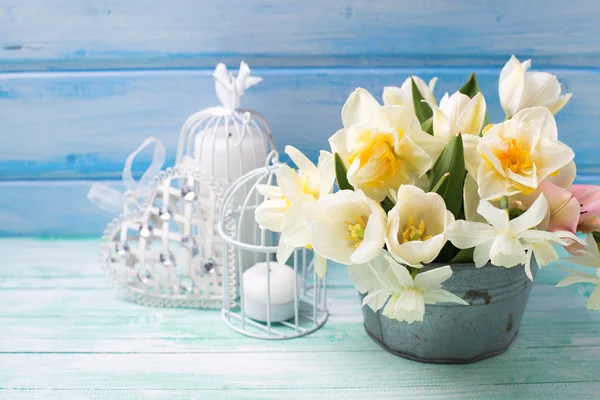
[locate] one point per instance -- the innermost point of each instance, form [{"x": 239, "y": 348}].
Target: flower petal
[
  {"x": 301, "y": 161},
  {"x": 559, "y": 103},
  {"x": 433, "y": 278},
  {"x": 269, "y": 191},
  {"x": 360, "y": 106},
  {"x": 284, "y": 251},
  {"x": 442, "y": 296},
  {"x": 530, "y": 218},
  {"x": 565, "y": 177},
  {"x": 442, "y": 127},
  {"x": 320, "y": 265},
  {"x": 401, "y": 273},
  {"x": 471, "y": 120},
  {"x": 395, "y": 96},
  {"x": 293, "y": 227},
  {"x": 593, "y": 302},
  {"x": 481, "y": 254},
  {"x": 377, "y": 299},
  {"x": 326, "y": 168},
  {"x": 506, "y": 251},
  {"x": 464, "y": 234},
  {"x": 511, "y": 85},
  {"x": 338, "y": 144},
  {"x": 290, "y": 183},
  {"x": 270, "y": 213},
  {"x": 471, "y": 200},
  {"x": 497, "y": 217}
]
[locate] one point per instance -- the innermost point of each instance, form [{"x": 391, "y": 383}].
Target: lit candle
[{"x": 282, "y": 282}]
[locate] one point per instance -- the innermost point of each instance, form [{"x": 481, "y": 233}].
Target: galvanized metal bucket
[{"x": 452, "y": 333}]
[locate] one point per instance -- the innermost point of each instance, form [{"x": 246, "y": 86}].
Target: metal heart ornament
[{"x": 167, "y": 254}]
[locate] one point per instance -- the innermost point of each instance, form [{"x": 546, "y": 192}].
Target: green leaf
[
  {"x": 464, "y": 256},
  {"x": 427, "y": 126},
  {"x": 451, "y": 162},
  {"x": 422, "y": 109},
  {"x": 471, "y": 88},
  {"x": 515, "y": 213},
  {"x": 340, "y": 174},
  {"x": 387, "y": 204}
]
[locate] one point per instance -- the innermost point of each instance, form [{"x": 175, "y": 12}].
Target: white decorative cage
[
  {"x": 262, "y": 306},
  {"x": 225, "y": 144},
  {"x": 164, "y": 254},
  {"x": 226, "y": 141}
]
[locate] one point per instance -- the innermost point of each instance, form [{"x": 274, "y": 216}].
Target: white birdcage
[
  {"x": 226, "y": 142},
  {"x": 269, "y": 300},
  {"x": 168, "y": 251}
]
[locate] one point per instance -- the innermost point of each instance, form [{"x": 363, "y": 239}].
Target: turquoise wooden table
[{"x": 66, "y": 334}]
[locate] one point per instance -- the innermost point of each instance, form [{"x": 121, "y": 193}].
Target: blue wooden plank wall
[{"x": 82, "y": 82}]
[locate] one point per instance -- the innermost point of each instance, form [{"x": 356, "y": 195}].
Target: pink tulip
[
  {"x": 588, "y": 197},
  {"x": 564, "y": 208}
]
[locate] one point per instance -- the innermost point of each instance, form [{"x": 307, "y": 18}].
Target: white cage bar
[{"x": 241, "y": 249}]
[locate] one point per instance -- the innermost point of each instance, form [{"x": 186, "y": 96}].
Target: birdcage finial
[{"x": 230, "y": 89}]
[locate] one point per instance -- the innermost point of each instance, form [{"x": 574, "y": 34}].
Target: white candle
[
  {"x": 227, "y": 155},
  {"x": 282, "y": 282}
]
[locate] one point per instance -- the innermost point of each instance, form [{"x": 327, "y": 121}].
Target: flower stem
[{"x": 440, "y": 182}]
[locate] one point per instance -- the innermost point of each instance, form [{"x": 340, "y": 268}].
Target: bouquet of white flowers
[{"x": 421, "y": 182}]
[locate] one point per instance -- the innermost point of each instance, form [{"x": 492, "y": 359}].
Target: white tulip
[
  {"x": 282, "y": 209},
  {"x": 502, "y": 241},
  {"x": 382, "y": 146},
  {"x": 520, "y": 89},
  {"x": 520, "y": 153},
  {"x": 408, "y": 296},
  {"x": 416, "y": 225},
  {"x": 346, "y": 227},
  {"x": 460, "y": 114},
  {"x": 402, "y": 96}
]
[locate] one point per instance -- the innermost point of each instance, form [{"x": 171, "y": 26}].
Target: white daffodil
[
  {"x": 543, "y": 250},
  {"x": 520, "y": 89},
  {"x": 460, "y": 114},
  {"x": 382, "y": 146},
  {"x": 346, "y": 227},
  {"x": 501, "y": 240},
  {"x": 588, "y": 257},
  {"x": 519, "y": 153},
  {"x": 593, "y": 302},
  {"x": 408, "y": 296},
  {"x": 282, "y": 209},
  {"x": 366, "y": 278},
  {"x": 402, "y": 96},
  {"x": 416, "y": 225}
]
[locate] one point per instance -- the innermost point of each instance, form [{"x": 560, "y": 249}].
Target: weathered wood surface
[
  {"x": 79, "y": 125},
  {"x": 87, "y": 34},
  {"x": 64, "y": 333}
]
